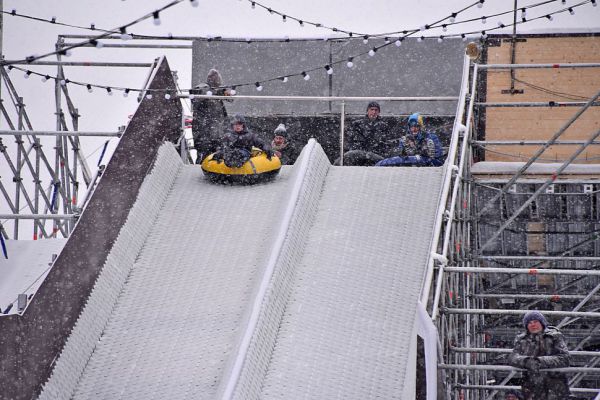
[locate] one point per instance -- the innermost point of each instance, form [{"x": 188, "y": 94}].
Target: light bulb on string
[
  {"x": 109, "y": 91},
  {"x": 27, "y": 74},
  {"x": 386, "y": 40},
  {"x": 301, "y": 23},
  {"x": 452, "y": 18},
  {"x": 372, "y": 51},
  {"x": 366, "y": 39},
  {"x": 45, "y": 78},
  {"x": 259, "y": 87},
  {"x": 350, "y": 64},
  {"x": 63, "y": 82},
  {"x": 305, "y": 76},
  {"x": 284, "y": 18},
  {"x": 284, "y": 79},
  {"x": 167, "y": 96},
  {"x": 523, "y": 12},
  {"x": 564, "y": 2},
  {"x": 194, "y": 3},
  {"x": 440, "y": 39},
  {"x": 124, "y": 34},
  {"x": 501, "y": 24},
  {"x": 93, "y": 26},
  {"x": 464, "y": 37},
  {"x": 550, "y": 17},
  {"x": 89, "y": 88},
  {"x": 594, "y": 3},
  {"x": 156, "y": 18},
  {"x": 398, "y": 42},
  {"x": 571, "y": 11},
  {"x": 126, "y": 93},
  {"x": 420, "y": 39},
  {"x": 329, "y": 70},
  {"x": 53, "y": 20},
  {"x": 10, "y": 68},
  {"x": 484, "y": 19},
  {"x": 480, "y": 4},
  {"x": 445, "y": 27},
  {"x": 253, "y": 5}
]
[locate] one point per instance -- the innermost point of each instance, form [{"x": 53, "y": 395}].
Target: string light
[
  {"x": 480, "y": 4},
  {"x": 45, "y": 78},
  {"x": 53, "y": 20},
  {"x": 258, "y": 86},
  {"x": 350, "y": 64},
  {"x": 550, "y": 17},
  {"x": 452, "y": 18},
  {"x": 156, "y": 18},
  {"x": 464, "y": 37},
  {"x": 386, "y": 40},
  {"x": 445, "y": 27},
  {"x": 420, "y": 39},
  {"x": 329, "y": 70},
  {"x": 194, "y": 3},
  {"x": 89, "y": 88},
  {"x": 284, "y": 18},
  {"x": 126, "y": 93},
  {"x": 253, "y": 5},
  {"x": 167, "y": 96},
  {"x": 124, "y": 34},
  {"x": 398, "y": 42},
  {"x": 571, "y": 11},
  {"x": 501, "y": 24},
  {"x": 594, "y": 3},
  {"x": 27, "y": 74},
  {"x": 366, "y": 39},
  {"x": 372, "y": 51},
  {"x": 284, "y": 79},
  {"x": 483, "y": 19},
  {"x": 301, "y": 23},
  {"x": 305, "y": 76},
  {"x": 63, "y": 82},
  {"x": 109, "y": 91},
  {"x": 440, "y": 39},
  {"x": 523, "y": 12},
  {"x": 93, "y": 26}
]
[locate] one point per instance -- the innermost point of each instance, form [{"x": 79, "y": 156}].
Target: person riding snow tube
[{"x": 232, "y": 167}]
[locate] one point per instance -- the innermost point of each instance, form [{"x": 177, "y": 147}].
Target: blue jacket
[{"x": 423, "y": 150}]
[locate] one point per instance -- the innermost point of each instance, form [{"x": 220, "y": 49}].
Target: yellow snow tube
[{"x": 257, "y": 169}]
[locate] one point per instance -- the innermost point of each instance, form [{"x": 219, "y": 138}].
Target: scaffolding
[{"x": 510, "y": 241}]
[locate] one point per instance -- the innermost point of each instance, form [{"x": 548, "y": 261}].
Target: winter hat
[
  {"x": 415, "y": 118},
  {"x": 373, "y": 104},
  {"x": 238, "y": 118},
  {"x": 280, "y": 130},
  {"x": 214, "y": 79},
  {"x": 514, "y": 393},
  {"x": 534, "y": 315}
]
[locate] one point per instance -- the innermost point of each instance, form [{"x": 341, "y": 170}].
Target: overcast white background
[{"x": 227, "y": 18}]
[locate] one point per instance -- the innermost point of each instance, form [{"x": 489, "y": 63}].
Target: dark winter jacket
[
  {"x": 425, "y": 144},
  {"x": 550, "y": 349},
  {"x": 369, "y": 136},
  {"x": 245, "y": 140},
  {"x": 208, "y": 123}
]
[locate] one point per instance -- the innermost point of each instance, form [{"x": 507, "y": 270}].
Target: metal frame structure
[{"x": 479, "y": 293}]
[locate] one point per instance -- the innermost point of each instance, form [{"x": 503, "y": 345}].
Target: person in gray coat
[
  {"x": 541, "y": 347},
  {"x": 210, "y": 116}
]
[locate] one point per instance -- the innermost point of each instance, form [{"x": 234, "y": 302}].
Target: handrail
[{"x": 449, "y": 166}]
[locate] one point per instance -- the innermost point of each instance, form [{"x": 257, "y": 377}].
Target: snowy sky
[{"x": 227, "y": 18}]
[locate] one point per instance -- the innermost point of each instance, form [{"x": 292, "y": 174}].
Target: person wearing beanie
[
  {"x": 209, "y": 119},
  {"x": 418, "y": 147},
  {"x": 540, "y": 347},
  {"x": 512, "y": 395},
  {"x": 368, "y": 139},
  {"x": 237, "y": 144}
]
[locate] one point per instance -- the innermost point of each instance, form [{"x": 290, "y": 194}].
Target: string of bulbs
[
  {"x": 451, "y": 20},
  {"x": 306, "y": 73}
]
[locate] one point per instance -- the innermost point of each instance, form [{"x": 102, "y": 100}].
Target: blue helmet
[{"x": 415, "y": 119}]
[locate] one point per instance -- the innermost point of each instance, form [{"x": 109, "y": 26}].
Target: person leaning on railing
[{"x": 540, "y": 347}]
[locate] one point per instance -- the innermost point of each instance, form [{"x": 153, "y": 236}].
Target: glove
[
  {"x": 269, "y": 154},
  {"x": 532, "y": 364}
]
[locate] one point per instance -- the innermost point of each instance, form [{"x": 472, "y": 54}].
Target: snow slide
[{"x": 304, "y": 287}]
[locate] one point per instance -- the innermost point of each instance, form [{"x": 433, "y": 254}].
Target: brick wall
[{"x": 540, "y": 123}]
